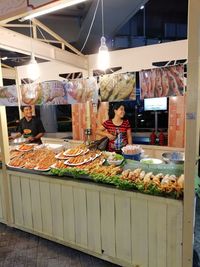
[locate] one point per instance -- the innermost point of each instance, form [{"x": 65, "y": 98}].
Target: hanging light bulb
[
  {"x": 33, "y": 71},
  {"x": 103, "y": 55}
]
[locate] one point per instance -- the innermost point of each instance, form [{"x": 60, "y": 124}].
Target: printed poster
[
  {"x": 118, "y": 87},
  {"x": 162, "y": 82},
  {"x": 82, "y": 90},
  {"x": 8, "y": 96}
]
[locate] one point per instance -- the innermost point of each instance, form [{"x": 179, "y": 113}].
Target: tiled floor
[{"x": 20, "y": 249}]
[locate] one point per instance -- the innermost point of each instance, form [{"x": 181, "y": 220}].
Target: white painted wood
[
  {"x": 123, "y": 228},
  {"x": 157, "y": 234},
  {"x": 138, "y": 58},
  {"x": 46, "y": 208},
  {"x": 26, "y": 203},
  {"x": 108, "y": 223},
  {"x": 80, "y": 216},
  {"x": 174, "y": 239},
  {"x": 68, "y": 213},
  {"x": 1, "y": 197},
  {"x": 93, "y": 221},
  {"x": 16, "y": 200},
  {"x": 139, "y": 231},
  {"x": 57, "y": 214},
  {"x": 192, "y": 129},
  {"x": 57, "y": 37},
  {"x": 136, "y": 229},
  {"x": 17, "y": 42},
  {"x": 36, "y": 205}
]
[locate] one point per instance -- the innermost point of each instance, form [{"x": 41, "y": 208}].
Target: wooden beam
[
  {"x": 192, "y": 128},
  {"x": 6, "y": 66},
  {"x": 15, "y": 25},
  {"x": 8, "y": 74},
  {"x": 49, "y": 41},
  {"x": 17, "y": 42},
  {"x": 56, "y": 36}
]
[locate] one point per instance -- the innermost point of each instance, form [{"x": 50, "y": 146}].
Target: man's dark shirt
[{"x": 30, "y": 128}]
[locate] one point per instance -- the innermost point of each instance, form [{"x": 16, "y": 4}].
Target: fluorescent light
[
  {"x": 4, "y": 58},
  {"x": 103, "y": 55},
  {"x": 142, "y": 7},
  {"x": 51, "y": 8}
]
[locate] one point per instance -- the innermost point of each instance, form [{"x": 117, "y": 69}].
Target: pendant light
[
  {"x": 103, "y": 55},
  {"x": 33, "y": 71}
]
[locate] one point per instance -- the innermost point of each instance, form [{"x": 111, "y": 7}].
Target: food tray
[
  {"x": 59, "y": 156},
  {"x": 41, "y": 170},
  {"x": 10, "y": 166},
  {"x": 25, "y": 150},
  {"x": 77, "y": 164},
  {"x": 72, "y": 155},
  {"x": 53, "y": 166},
  {"x": 85, "y": 152}
]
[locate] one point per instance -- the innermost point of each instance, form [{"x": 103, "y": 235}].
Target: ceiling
[{"x": 124, "y": 23}]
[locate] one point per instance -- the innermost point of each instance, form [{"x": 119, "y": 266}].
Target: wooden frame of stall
[{"x": 164, "y": 246}]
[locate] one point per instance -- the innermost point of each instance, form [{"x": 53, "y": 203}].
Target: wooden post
[
  {"x": 192, "y": 128},
  {"x": 4, "y": 144},
  {"x": 1, "y": 75}
]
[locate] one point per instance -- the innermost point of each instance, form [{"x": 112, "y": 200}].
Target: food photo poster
[{"x": 162, "y": 82}]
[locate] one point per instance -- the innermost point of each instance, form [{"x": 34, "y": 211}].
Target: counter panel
[
  {"x": 124, "y": 227},
  {"x": 1, "y": 197}
]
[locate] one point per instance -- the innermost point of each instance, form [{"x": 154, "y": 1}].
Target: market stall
[
  {"x": 98, "y": 208},
  {"x": 117, "y": 216}
]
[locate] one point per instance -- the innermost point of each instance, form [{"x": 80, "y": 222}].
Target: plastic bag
[{"x": 101, "y": 144}]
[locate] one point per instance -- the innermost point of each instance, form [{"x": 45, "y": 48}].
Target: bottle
[
  {"x": 153, "y": 138},
  {"x": 161, "y": 139}
]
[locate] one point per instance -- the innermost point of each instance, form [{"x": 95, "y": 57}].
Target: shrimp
[
  {"x": 178, "y": 74},
  {"x": 165, "y": 83},
  {"x": 153, "y": 82},
  {"x": 143, "y": 85},
  {"x": 158, "y": 91},
  {"x": 173, "y": 84}
]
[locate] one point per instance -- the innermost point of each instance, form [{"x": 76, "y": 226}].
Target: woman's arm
[
  {"x": 101, "y": 130},
  {"x": 129, "y": 136}
]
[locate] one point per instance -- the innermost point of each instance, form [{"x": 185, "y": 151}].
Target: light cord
[
  {"x": 95, "y": 12},
  {"x": 102, "y": 18}
]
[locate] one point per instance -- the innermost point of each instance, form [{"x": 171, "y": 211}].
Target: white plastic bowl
[
  {"x": 115, "y": 162},
  {"x": 57, "y": 148}
]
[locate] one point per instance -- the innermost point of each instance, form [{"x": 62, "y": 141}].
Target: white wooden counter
[
  {"x": 2, "y": 207},
  {"x": 127, "y": 228}
]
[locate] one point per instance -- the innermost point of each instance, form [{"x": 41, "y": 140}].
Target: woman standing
[{"x": 117, "y": 129}]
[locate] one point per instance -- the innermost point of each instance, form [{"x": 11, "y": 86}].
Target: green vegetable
[
  {"x": 118, "y": 157},
  {"x": 147, "y": 161}
]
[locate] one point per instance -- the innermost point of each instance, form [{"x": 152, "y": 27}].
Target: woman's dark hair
[
  {"x": 23, "y": 107},
  {"x": 112, "y": 107}
]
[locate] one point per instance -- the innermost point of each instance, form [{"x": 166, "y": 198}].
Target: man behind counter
[{"x": 30, "y": 127}]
